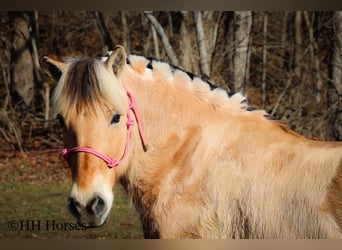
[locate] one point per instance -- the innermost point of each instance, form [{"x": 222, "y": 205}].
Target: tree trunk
[
  {"x": 283, "y": 40},
  {"x": 164, "y": 38},
  {"x": 243, "y": 24},
  {"x": 298, "y": 42},
  {"x": 125, "y": 32},
  {"x": 22, "y": 64},
  {"x": 155, "y": 42},
  {"x": 314, "y": 57},
  {"x": 335, "y": 87},
  {"x": 10, "y": 129},
  {"x": 109, "y": 46},
  {"x": 188, "y": 54},
  {"x": 264, "y": 61},
  {"x": 204, "y": 65}
]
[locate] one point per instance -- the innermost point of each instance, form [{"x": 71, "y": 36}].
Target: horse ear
[
  {"x": 116, "y": 60},
  {"x": 54, "y": 67}
]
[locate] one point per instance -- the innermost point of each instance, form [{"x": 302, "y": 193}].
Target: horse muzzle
[{"x": 93, "y": 214}]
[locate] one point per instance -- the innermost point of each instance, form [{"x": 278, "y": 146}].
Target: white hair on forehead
[
  {"x": 110, "y": 93},
  {"x": 111, "y": 88}
]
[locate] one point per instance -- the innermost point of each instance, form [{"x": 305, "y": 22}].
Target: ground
[{"x": 34, "y": 189}]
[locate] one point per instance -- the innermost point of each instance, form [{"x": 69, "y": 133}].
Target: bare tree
[
  {"x": 101, "y": 24},
  {"x": 125, "y": 31},
  {"x": 155, "y": 42},
  {"x": 283, "y": 38},
  {"x": 188, "y": 56},
  {"x": 10, "y": 129},
  {"x": 314, "y": 56},
  {"x": 204, "y": 65},
  {"x": 335, "y": 90},
  {"x": 164, "y": 38},
  {"x": 22, "y": 66},
  {"x": 243, "y": 24},
  {"x": 264, "y": 60},
  {"x": 298, "y": 42},
  {"x": 337, "y": 55}
]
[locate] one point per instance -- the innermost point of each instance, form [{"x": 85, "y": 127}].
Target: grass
[
  {"x": 44, "y": 203},
  {"x": 34, "y": 187}
]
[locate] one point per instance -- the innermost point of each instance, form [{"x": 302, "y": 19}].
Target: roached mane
[
  {"x": 202, "y": 87},
  {"x": 140, "y": 64}
]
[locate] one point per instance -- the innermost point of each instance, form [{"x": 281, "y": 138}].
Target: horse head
[{"x": 92, "y": 107}]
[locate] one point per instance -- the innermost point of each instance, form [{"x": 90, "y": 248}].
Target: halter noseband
[{"x": 112, "y": 162}]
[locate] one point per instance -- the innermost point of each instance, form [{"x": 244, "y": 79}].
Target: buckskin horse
[{"x": 196, "y": 161}]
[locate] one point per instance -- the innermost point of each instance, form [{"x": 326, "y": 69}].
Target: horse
[{"x": 195, "y": 160}]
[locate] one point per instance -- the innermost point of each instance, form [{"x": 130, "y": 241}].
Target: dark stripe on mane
[
  {"x": 230, "y": 93},
  {"x": 81, "y": 84},
  {"x": 173, "y": 68},
  {"x": 149, "y": 65}
]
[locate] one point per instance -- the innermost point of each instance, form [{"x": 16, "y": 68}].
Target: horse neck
[
  {"x": 171, "y": 111},
  {"x": 162, "y": 109},
  {"x": 165, "y": 111}
]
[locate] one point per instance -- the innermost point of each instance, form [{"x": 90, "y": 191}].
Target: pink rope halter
[{"x": 112, "y": 162}]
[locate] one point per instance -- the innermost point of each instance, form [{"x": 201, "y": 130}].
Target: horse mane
[
  {"x": 200, "y": 87},
  {"x": 203, "y": 88},
  {"x": 87, "y": 85}
]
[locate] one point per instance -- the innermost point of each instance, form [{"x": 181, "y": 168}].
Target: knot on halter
[
  {"x": 130, "y": 121},
  {"x": 65, "y": 152},
  {"x": 112, "y": 162}
]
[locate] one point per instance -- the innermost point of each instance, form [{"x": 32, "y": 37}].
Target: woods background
[{"x": 288, "y": 63}]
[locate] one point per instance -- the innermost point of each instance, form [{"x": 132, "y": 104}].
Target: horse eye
[
  {"x": 61, "y": 120},
  {"x": 115, "y": 119}
]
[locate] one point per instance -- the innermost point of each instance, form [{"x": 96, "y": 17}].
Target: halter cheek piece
[{"x": 112, "y": 162}]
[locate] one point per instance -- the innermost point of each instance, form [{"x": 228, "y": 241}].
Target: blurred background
[{"x": 286, "y": 62}]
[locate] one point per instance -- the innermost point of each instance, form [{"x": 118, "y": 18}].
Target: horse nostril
[
  {"x": 97, "y": 206},
  {"x": 74, "y": 207}
]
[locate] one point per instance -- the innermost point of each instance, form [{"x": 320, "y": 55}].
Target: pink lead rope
[{"x": 112, "y": 162}]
